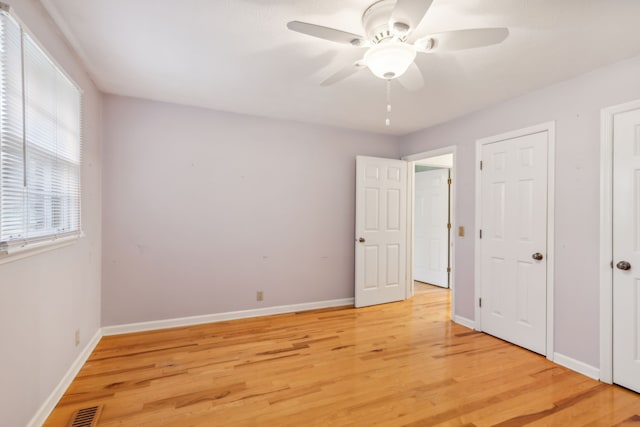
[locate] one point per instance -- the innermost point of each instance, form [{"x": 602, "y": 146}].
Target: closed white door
[
  {"x": 626, "y": 250},
  {"x": 381, "y": 231},
  {"x": 514, "y": 240},
  {"x": 430, "y": 219}
]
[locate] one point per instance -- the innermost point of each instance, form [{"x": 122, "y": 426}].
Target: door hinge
[
  {"x": 481, "y": 234},
  {"x": 449, "y": 226},
  {"x": 449, "y": 181},
  {"x": 480, "y": 302},
  {"x": 480, "y": 164},
  {"x": 448, "y": 269}
]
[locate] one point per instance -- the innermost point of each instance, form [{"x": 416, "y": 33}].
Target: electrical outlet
[
  {"x": 259, "y": 296},
  {"x": 77, "y": 337}
]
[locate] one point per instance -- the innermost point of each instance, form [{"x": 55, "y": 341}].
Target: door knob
[
  {"x": 537, "y": 256},
  {"x": 624, "y": 265},
  {"x": 361, "y": 240}
]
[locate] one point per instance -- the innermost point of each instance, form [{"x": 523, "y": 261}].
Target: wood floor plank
[{"x": 399, "y": 364}]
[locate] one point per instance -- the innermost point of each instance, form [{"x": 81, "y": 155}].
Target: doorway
[
  {"x": 431, "y": 211},
  {"x": 432, "y": 220}
]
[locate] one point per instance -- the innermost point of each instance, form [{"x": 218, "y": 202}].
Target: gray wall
[
  {"x": 575, "y": 107},
  {"x": 204, "y": 208},
  {"x": 44, "y": 298}
]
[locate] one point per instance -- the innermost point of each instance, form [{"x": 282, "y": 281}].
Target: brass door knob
[
  {"x": 361, "y": 240},
  {"x": 537, "y": 256}
]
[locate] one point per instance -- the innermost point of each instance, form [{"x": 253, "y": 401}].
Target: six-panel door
[
  {"x": 626, "y": 249},
  {"x": 514, "y": 230},
  {"x": 381, "y": 217},
  {"x": 430, "y": 218}
]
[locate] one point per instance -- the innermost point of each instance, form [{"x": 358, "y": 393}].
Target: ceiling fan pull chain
[
  {"x": 388, "y": 121},
  {"x": 388, "y": 96}
]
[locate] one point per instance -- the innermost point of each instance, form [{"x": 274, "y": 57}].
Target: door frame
[
  {"x": 607, "y": 116},
  {"x": 548, "y": 127},
  {"x": 411, "y": 159}
]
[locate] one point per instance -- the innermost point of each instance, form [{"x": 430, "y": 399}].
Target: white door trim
[
  {"x": 606, "y": 236},
  {"x": 411, "y": 184},
  {"x": 548, "y": 127}
]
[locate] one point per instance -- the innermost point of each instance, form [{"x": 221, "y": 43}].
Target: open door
[
  {"x": 431, "y": 226},
  {"x": 381, "y": 230}
]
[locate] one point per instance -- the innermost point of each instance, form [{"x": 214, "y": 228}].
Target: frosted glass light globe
[{"x": 389, "y": 60}]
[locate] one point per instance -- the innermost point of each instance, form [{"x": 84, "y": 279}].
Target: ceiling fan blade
[
  {"x": 344, "y": 73},
  {"x": 326, "y": 33},
  {"x": 412, "y": 79},
  {"x": 407, "y": 14},
  {"x": 462, "y": 39}
]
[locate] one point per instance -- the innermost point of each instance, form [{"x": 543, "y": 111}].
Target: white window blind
[{"x": 40, "y": 140}]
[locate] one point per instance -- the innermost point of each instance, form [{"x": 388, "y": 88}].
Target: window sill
[{"x": 16, "y": 253}]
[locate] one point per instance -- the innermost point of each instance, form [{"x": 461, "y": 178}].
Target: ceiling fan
[{"x": 388, "y": 25}]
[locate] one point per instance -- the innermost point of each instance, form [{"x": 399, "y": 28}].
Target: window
[{"x": 40, "y": 109}]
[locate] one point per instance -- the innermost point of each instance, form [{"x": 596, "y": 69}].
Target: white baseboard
[
  {"x": 471, "y": 324},
  {"x": 576, "y": 365},
  {"x": 47, "y": 407},
  {"x": 219, "y": 317}
]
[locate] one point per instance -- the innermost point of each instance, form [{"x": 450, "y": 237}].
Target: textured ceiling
[{"x": 238, "y": 56}]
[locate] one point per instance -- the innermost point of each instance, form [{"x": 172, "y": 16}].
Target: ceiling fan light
[{"x": 389, "y": 60}]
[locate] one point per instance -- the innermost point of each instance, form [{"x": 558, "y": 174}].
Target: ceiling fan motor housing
[{"x": 375, "y": 22}]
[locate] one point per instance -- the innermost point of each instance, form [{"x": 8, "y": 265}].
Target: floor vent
[{"x": 86, "y": 417}]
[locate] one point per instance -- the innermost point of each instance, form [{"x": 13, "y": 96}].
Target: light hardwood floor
[{"x": 396, "y": 364}]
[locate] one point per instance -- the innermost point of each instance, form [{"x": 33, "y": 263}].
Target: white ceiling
[{"x": 238, "y": 56}]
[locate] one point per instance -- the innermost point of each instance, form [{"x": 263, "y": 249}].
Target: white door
[
  {"x": 626, "y": 248},
  {"x": 381, "y": 230},
  {"x": 431, "y": 234},
  {"x": 514, "y": 240}
]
